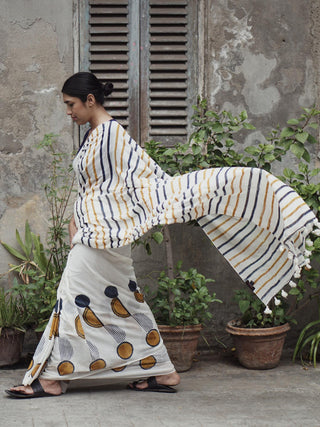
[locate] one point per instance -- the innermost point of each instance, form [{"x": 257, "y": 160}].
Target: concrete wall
[{"x": 262, "y": 56}]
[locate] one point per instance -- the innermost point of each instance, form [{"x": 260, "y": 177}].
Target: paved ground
[{"x": 215, "y": 392}]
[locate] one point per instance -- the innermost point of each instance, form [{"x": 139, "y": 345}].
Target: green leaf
[
  {"x": 297, "y": 150},
  {"x": 157, "y": 237},
  {"x": 14, "y": 252},
  {"x": 244, "y": 305},
  {"x": 302, "y": 137},
  {"x": 287, "y": 132},
  {"x": 293, "y": 122}
]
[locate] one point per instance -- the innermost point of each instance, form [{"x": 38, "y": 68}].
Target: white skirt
[{"x": 101, "y": 327}]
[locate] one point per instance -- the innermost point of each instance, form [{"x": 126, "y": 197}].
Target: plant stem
[{"x": 169, "y": 259}]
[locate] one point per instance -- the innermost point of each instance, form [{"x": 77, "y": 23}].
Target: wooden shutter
[
  {"x": 165, "y": 82},
  {"x": 109, "y": 39},
  {"x": 145, "y": 48}
]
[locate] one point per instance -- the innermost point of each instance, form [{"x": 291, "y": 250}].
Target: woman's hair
[{"x": 81, "y": 84}]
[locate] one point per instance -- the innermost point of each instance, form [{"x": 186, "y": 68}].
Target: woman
[{"x": 101, "y": 328}]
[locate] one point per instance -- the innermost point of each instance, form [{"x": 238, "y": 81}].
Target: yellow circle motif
[
  {"x": 119, "y": 309},
  {"x": 30, "y": 365},
  {"x": 97, "y": 364},
  {"x": 121, "y": 368},
  {"x": 148, "y": 362},
  {"x": 138, "y": 296},
  {"x": 35, "y": 369},
  {"x": 79, "y": 327},
  {"x": 153, "y": 337},
  {"x": 65, "y": 368},
  {"x": 91, "y": 319},
  {"x": 125, "y": 350}
]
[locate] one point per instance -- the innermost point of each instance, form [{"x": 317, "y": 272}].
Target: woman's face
[{"x": 78, "y": 110}]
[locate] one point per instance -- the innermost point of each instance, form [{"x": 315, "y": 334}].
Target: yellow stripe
[
  {"x": 264, "y": 204},
  {"x": 232, "y": 191},
  {"x": 226, "y": 231},
  {"x": 293, "y": 212},
  {"x": 239, "y": 193},
  {"x": 288, "y": 204},
  {"x": 145, "y": 166},
  {"x": 115, "y": 157},
  {"x": 218, "y": 226},
  {"x": 248, "y": 246},
  {"x": 269, "y": 269},
  {"x": 275, "y": 275},
  {"x": 172, "y": 189},
  {"x": 271, "y": 214}
]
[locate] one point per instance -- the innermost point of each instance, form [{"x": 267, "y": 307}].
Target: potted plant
[
  {"x": 36, "y": 281},
  {"x": 260, "y": 332},
  {"x": 38, "y": 271},
  {"x": 181, "y": 306},
  {"x": 13, "y": 318}
]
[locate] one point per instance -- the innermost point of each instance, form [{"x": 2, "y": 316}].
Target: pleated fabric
[
  {"x": 101, "y": 328},
  {"x": 258, "y": 223}
]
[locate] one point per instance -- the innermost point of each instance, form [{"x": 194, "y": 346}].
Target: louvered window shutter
[{"x": 145, "y": 48}]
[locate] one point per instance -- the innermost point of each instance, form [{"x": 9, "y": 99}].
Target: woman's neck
[{"x": 99, "y": 116}]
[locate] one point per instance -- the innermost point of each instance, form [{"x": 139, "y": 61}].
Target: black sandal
[
  {"x": 37, "y": 392},
  {"x": 152, "y": 386}
]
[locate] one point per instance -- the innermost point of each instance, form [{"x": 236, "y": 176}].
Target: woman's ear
[{"x": 91, "y": 100}]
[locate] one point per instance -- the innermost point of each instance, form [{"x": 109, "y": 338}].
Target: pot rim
[
  {"x": 197, "y": 327},
  {"x": 273, "y": 330}
]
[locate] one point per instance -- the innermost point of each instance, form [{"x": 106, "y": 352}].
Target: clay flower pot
[
  {"x": 11, "y": 342},
  {"x": 258, "y": 348},
  {"x": 181, "y": 343}
]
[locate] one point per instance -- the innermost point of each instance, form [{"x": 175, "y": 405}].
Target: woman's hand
[{"x": 72, "y": 230}]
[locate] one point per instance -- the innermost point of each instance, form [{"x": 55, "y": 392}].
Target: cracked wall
[{"x": 36, "y": 56}]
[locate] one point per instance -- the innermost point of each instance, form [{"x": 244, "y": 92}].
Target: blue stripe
[
  {"x": 143, "y": 210},
  {"x": 112, "y": 217},
  {"x": 277, "y": 283},
  {"x": 258, "y": 259},
  {"x": 256, "y": 197},
  {"x": 109, "y": 159},
  {"x": 105, "y": 218},
  {"x": 101, "y": 156},
  {"x": 138, "y": 215},
  {"x": 248, "y": 195},
  {"x": 298, "y": 220},
  {"x": 236, "y": 235},
  {"x": 211, "y": 220}
]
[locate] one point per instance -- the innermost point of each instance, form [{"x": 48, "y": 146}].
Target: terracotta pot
[
  {"x": 258, "y": 348},
  {"x": 181, "y": 343},
  {"x": 11, "y": 342}
]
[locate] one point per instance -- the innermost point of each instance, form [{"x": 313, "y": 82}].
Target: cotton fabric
[
  {"x": 101, "y": 328},
  {"x": 257, "y": 222}
]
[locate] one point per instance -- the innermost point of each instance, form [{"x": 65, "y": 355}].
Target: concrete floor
[{"x": 215, "y": 392}]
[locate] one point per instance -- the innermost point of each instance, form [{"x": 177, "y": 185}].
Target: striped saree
[{"x": 258, "y": 223}]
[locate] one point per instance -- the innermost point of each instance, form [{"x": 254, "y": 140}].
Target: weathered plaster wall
[
  {"x": 36, "y": 55},
  {"x": 262, "y": 56}
]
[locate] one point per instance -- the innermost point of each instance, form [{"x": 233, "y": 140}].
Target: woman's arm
[{"x": 72, "y": 230}]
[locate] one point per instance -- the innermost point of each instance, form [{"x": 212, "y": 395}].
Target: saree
[{"x": 101, "y": 327}]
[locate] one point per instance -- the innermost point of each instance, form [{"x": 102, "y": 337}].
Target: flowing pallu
[{"x": 257, "y": 222}]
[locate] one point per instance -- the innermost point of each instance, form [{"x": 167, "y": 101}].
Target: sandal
[
  {"x": 152, "y": 386},
  {"x": 37, "y": 392}
]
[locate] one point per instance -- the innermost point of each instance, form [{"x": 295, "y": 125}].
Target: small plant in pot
[
  {"x": 181, "y": 306},
  {"x": 260, "y": 332},
  {"x": 13, "y": 318}
]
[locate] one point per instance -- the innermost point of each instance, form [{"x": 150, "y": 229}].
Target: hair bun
[{"x": 107, "y": 88}]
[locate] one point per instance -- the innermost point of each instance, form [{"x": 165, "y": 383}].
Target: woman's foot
[
  {"x": 49, "y": 386},
  {"x": 165, "y": 380}
]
